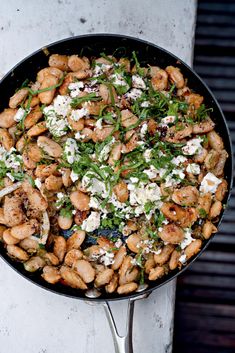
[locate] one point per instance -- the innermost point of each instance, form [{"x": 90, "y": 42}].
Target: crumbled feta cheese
[
  {"x": 98, "y": 124},
  {"x": 192, "y": 146},
  {"x": 187, "y": 238},
  {"x": 178, "y": 160},
  {"x": 71, "y": 151},
  {"x": 78, "y": 136},
  {"x": 74, "y": 176},
  {"x": 118, "y": 80},
  {"x": 94, "y": 203},
  {"x": 134, "y": 180},
  {"x": 55, "y": 124},
  {"x": 134, "y": 93},
  {"x": 209, "y": 183},
  {"x": 183, "y": 259},
  {"x": 168, "y": 120},
  {"x": 143, "y": 194},
  {"x": 138, "y": 82},
  {"x": 94, "y": 185},
  {"x": 118, "y": 243},
  {"x": 92, "y": 222},
  {"x": 174, "y": 178},
  {"x": 75, "y": 88},
  {"x": 106, "y": 258},
  {"x": 78, "y": 114},
  {"x": 104, "y": 153},
  {"x": 143, "y": 130},
  {"x": 152, "y": 173},
  {"x": 19, "y": 114},
  {"x": 147, "y": 155},
  {"x": 145, "y": 104},
  {"x": 62, "y": 105},
  {"x": 99, "y": 69},
  {"x": 38, "y": 183},
  {"x": 11, "y": 158},
  {"x": 193, "y": 168}
]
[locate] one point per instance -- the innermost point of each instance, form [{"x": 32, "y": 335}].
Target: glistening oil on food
[{"x": 112, "y": 174}]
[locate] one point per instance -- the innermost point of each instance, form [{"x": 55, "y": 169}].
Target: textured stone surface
[{"x": 31, "y": 319}]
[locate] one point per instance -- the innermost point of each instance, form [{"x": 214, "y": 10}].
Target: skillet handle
[{"x": 123, "y": 344}]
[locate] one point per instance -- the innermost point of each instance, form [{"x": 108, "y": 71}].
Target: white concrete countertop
[{"x": 33, "y": 320}]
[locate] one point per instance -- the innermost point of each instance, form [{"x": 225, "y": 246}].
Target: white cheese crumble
[
  {"x": 187, "y": 238},
  {"x": 107, "y": 257},
  {"x": 92, "y": 222},
  {"x": 138, "y": 82},
  {"x": 192, "y": 146},
  {"x": 145, "y": 104},
  {"x": 118, "y": 80},
  {"x": 152, "y": 172},
  {"x": 98, "y": 124},
  {"x": 209, "y": 183},
  {"x": 143, "y": 194},
  {"x": 11, "y": 159},
  {"x": 104, "y": 153},
  {"x": 178, "y": 160},
  {"x": 174, "y": 178},
  {"x": 38, "y": 183},
  {"x": 95, "y": 186},
  {"x": 168, "y": 120},
  {"x": 134, "y": 93},
  {"x": 99, "y": 69},
  {"x": 56, "y": 125},
  {"x": 19, "y": 114},
  {"x": 79, "y": 113},
  {"x": 61, "y": 105},
  {"x": 134, "y": 180},
  {"x": 75, "y": 88},
  {"x": 183, "y": 259},
  {"x": 147, "y": 155},
  {"x": 143, "y": 130},
  {"x": 71, "y": 151},
  {"x": 74, "y": 176},
  {"x": 193, "y": 168}
]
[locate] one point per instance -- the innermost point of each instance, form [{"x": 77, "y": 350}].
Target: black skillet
[{"x": 148, "y": 53}]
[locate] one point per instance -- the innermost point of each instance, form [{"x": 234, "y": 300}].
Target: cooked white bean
[
  {"x": 72, "y": 256},
  {"x": 72, "y": 278},
  {"x": 156, "y": 273},
  {"x": 85, "y": 270},
  {"x": 25, "y": 230},
  {"x": 59, "y": 248},
  {"x": 76, "y": 240},
  {"x": 215, "y": 210},
  {"x": 80, "y": 200},
  {"x": 104, "y": 277},
  {"x": 51, "y": 274},
  {"x": 34, "y": 264},
  {"x": 7, "y": 118},
  {"x": 127, "y": 288},
  {"x": 49, "y": 146},
  {"x": 8, "y": 238},
  {"x": 17, "y": 252}
]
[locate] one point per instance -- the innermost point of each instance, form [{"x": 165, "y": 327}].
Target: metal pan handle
[{"x": 122, "y": 344}]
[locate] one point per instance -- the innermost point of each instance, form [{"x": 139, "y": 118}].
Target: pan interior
[{"x": 93, "y": 45}]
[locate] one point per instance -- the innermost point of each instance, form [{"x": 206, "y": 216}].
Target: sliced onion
[
  {"x": 45, "y": 228},
  {"x": 9, "y": 189}
]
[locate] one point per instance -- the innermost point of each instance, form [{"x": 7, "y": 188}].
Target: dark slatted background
[{"x": 205, "y": 302}]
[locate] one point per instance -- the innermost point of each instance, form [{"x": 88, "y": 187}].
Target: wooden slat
[{"x": 205, "y": 298}]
